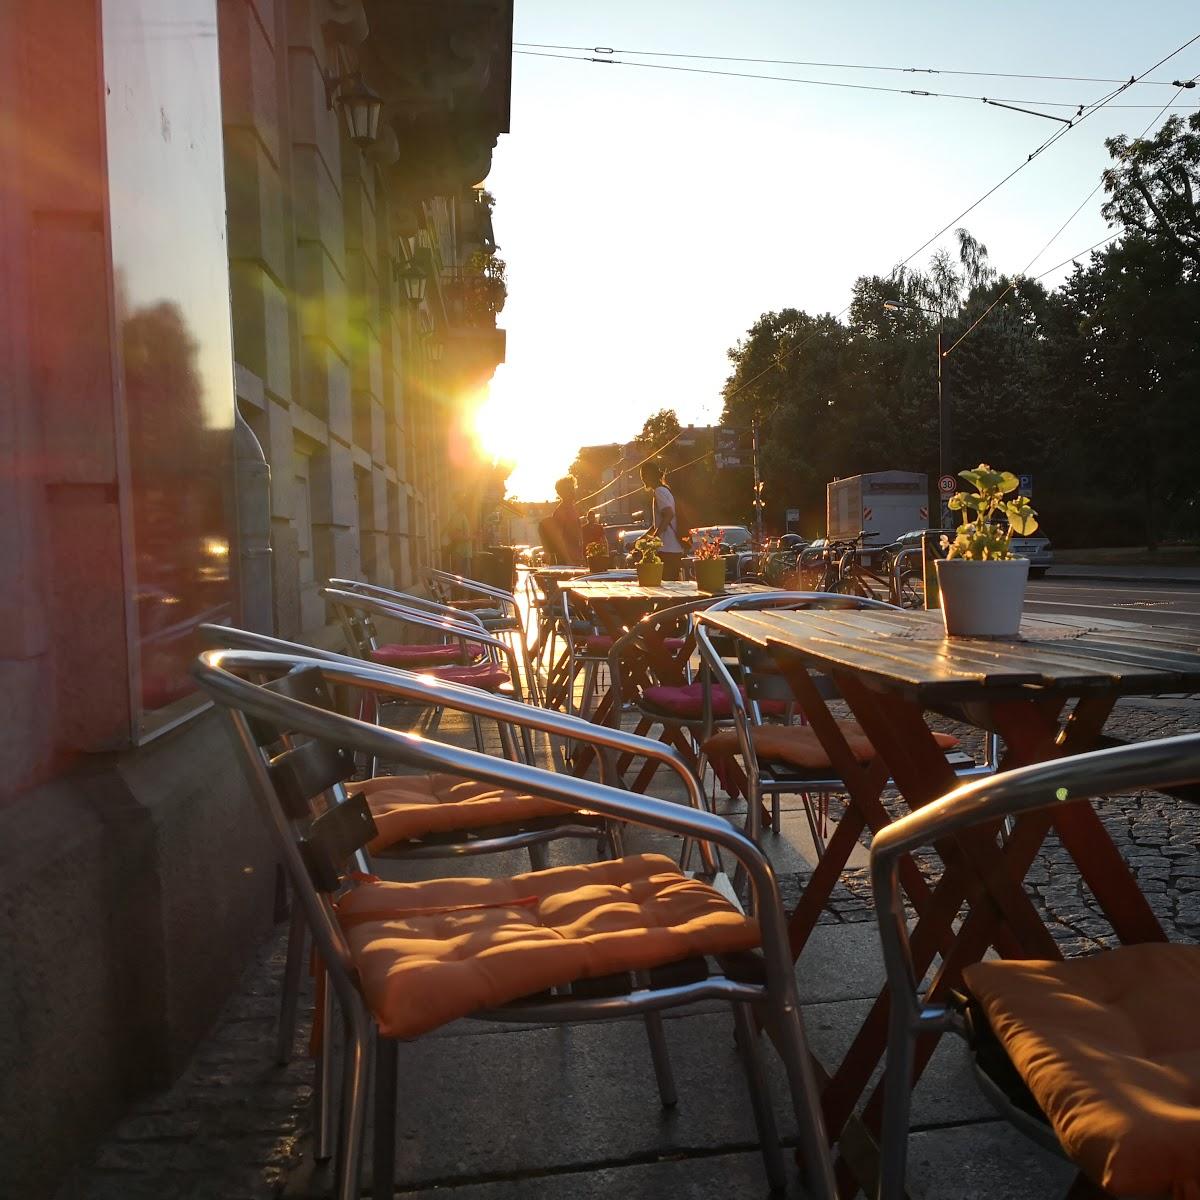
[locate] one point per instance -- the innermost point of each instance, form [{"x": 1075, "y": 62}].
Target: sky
[{"x": 649, "y": 217}]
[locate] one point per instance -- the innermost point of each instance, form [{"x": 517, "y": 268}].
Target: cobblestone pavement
[{"x": 232, "y": 1126}]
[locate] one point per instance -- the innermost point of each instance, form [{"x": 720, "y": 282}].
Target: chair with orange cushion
[
  {"x": 1097, "y": 1058},
  {"x": 633, "y": 936},
  {"x": 424, "y": 816},
  {"x": 783, "y": 759}
]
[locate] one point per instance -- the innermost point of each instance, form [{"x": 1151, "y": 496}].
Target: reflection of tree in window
[{"x": 179, "y": 466}]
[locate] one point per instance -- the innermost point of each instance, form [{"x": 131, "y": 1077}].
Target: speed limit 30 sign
[{"x": 947, "y": 485}]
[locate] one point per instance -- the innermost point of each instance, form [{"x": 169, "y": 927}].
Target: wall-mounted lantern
[{"x": 360, "y": 106}]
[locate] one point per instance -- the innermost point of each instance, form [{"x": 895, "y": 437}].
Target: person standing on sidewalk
[{"x": 664, "y": 520}]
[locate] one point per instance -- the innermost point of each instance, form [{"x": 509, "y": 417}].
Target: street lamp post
[{"x": 944, "y": 449}]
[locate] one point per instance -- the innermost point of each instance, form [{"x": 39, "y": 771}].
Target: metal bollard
[{"x": 933, "y": 598}]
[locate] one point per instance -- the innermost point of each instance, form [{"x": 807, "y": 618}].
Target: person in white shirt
[{"x": 664, "y": 522}]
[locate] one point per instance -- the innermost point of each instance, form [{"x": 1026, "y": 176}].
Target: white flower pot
[{"x": 982, "y": 599}]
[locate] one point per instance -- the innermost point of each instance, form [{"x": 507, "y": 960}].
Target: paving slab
[{"x": 985, "y": 1161}]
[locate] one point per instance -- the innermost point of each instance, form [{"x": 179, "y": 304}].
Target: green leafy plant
[
  {"x": 708, "y": 547},
  {"x": 982, "y": 537},
  {"x": 649, "y": 545},
  {"x": 596, "y": 550}
]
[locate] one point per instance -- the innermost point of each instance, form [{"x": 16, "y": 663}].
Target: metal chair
[
  {"x": 759, "y": 684},
  {"x": 496, "y": 608},
  {"x": 587, "y": 644},
  {"x": 531, "y": 833},
  {"x": 358, "y": 611},
  {"x": 318, "y": 830},
  {"x": 1170, "y": 765}
]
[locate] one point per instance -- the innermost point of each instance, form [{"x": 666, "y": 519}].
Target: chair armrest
[
  {"x": 216, "y": 672},
  {"x": 425, "y": 689},
  {"x": 1161, "y": 765},
  {"x": 408, "y": 599},
  {"x": 473, "y": 585}
]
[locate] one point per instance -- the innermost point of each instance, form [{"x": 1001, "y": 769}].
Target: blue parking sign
[{"x": 1026, "y": 485}]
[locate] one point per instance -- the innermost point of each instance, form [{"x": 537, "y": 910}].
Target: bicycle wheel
[
  {"x": 911, "y": 589},
  {"x": 850, "y": 585}
]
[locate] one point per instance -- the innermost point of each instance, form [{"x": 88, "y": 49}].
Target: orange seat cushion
[
  {"x": 800, "y": 746},
  {"x": 429, "y": 953},
  {"x": 1110, "y": 1048},
  {"x": 414, "y": 806}
]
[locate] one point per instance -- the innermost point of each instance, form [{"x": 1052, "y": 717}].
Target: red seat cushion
[
  {"x": 487, "y": 676},
  {"x": 686, "y": 702},
  {"x": 412, "y": 655},
  {"x": 427, "y": 953}
]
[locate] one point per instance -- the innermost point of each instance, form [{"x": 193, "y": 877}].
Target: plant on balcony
[{"x": 982, "y": 582}]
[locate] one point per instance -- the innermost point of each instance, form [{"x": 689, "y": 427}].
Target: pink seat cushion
[
  {"x": 687, "y": 701},
  {"x": 487, "y": 676},
  {"x": 412, "y": 655}
]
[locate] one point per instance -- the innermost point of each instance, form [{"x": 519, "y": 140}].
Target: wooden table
[{"x": 1048, "y": 694}]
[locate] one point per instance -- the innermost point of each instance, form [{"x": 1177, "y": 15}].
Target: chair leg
[
  {"x": 776, "y": 819},
  {"x": 662, "y": 1060},
  {"x": 292, "y": 971},
  {"x": 477, "y": 728},
  {"x": 354, "y": 1106},
  {"x": 383, "y": 1183},
  {"x": 746, "y": 1036},
  {"x": 816, "y": 1161},
  {"x": 539, "y": 856},
  {"x": 325, "y": 1110}
]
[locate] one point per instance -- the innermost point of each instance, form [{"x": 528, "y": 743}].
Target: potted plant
[
  {"x": 650, "y": 565},
  {"x": 598, "y": 557},
  {"x": 708, "y": 565},
  {"x": 982, "y": 583}
]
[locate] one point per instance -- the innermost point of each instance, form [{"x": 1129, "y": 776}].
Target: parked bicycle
[{"x": 856, "y": 569}]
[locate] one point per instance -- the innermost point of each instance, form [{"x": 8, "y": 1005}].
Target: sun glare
[{"x": 527, "y": 431}]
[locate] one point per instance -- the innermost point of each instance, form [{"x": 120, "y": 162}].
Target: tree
[{"x": 1154, "y": 187}]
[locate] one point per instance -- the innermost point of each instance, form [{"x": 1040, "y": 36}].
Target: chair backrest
[
  {"x": 408, "y": 599},
  {"x": 756, "y": 670}
]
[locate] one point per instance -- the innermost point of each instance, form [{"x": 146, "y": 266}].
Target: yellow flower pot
[
  {"x": 710, "y": 574},
  {"x": 650, "y": 574}
]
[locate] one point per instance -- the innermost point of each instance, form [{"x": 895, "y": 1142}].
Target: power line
[
  {"x": 1049, "y": 141},
  {"x": 672, "y": 471},
  {"x": 1001, "y": 102},
  {"x": 795, "y": 62},
  {"x": 611, "y": 482},
  {"x": 1056, "y": 235}
]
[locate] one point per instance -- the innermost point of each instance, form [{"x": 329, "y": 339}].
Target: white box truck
[{"x": 884, "y": 504}]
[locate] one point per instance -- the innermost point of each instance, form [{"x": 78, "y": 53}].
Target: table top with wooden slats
[
  {"x": 910, "y": 652},
  {"x": 630, "y": 590}
]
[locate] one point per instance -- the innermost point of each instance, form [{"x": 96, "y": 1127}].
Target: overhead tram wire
[
  {"x": 795, "y": 62},
  {"x": 1049, "y": 141},
  {"x": 671, "y": 471},
  {"x": 1058, "y": 233},
  {"x": 1014, "y": 103},
  {"x": 611, "y": 482}
]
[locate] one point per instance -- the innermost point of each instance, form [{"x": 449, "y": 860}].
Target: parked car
[
  {"x": 625, "y": 541},
  {"x": 1036, "y": 548}
]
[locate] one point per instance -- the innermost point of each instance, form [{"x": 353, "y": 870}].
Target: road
[{"x": 1171, "y": 605}]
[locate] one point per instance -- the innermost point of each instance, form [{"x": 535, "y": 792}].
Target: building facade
[{"x": 239, "y": 351}]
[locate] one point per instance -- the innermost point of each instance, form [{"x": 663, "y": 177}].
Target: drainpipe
[{"x": 253, "y": 488}]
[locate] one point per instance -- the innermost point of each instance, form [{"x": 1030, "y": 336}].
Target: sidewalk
[
  {"x": 1117, "y": 573},
  {"x": 491, "y": 1112}
]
